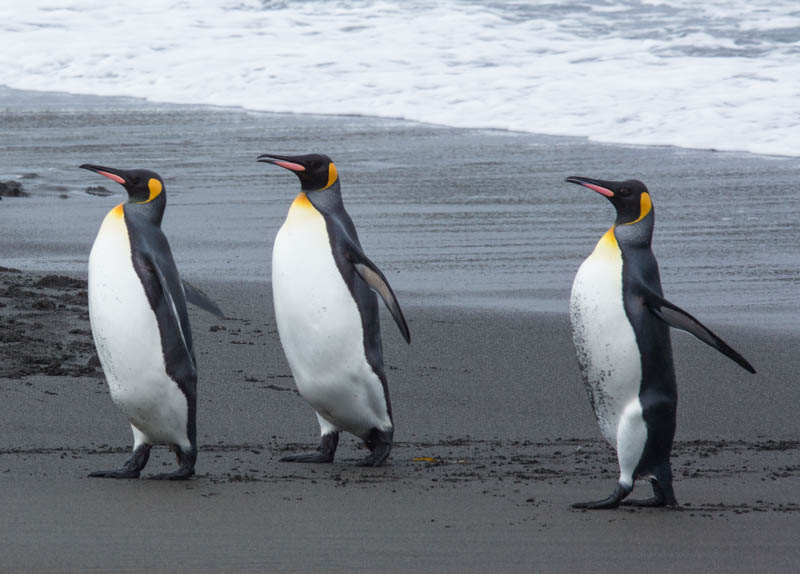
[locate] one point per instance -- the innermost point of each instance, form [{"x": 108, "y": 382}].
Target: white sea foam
[{"x": 721, "y": 74}]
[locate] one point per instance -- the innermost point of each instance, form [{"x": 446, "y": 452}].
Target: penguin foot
[
  {"x": 377, "y": 457},
  {"x": 133, "y": 466},
  {"x": 654, "y": 502},
  {"x": 324, "y": 453},
  {"x": 183, "y": 473},
  {"x": 662, "y": 497},
  {"x": 123, "y": 472},
  {"x": 186, "y": 461},
  {"x": 606, "y": 503},
  {"x": 380, "y": 445},
  {"x": 613, "y": 501},
  {"x": 314, "y": 456}
]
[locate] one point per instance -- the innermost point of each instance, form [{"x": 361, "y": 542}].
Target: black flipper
[
  {"x": 678, "y": 318},
  {"x": 373, "y": 276},
  {"x": 196, "y": 297},
  {"x": 173, "y": 309}
]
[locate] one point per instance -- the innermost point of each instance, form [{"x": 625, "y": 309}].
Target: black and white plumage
[
  {"x": 140, "y": 325},
  {"x": 326, "y": 310},
  {"x": 620, "y": 324}
]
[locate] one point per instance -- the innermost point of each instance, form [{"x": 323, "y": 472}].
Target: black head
[
  {"x": 630, "y": 197},
  {"x": 143, "y": 186},
  {"x": 315, "y": 171}
]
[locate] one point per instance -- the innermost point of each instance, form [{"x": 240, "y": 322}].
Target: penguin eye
[
  {"x": 624, "y": 191},
  {"x": 135, "y": 180}
]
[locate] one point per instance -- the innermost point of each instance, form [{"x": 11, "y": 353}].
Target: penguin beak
[
  {"x": 601, "y": 187},
  {"x": 118, "y": 175},
  {"x": 286, "y": 162}
]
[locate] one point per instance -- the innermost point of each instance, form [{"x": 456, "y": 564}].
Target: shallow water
[{"x": 453, "y": 216}]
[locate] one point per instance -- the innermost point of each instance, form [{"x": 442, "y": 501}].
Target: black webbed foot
[
  {"x": 131, "y": 469},
  {"x": 653, "y": 502},
  {"x": 324, "y": 453},
  {"x": 118, "y": 473},
  {"x": 662, "y": 497},
  {"x": 380, "y": 445},
  {"x": 313, "y": 456},
  {"x": 183, "y": 473},
  {"x": 186, "y": 462},
  {"x": 613, "y": 501}
]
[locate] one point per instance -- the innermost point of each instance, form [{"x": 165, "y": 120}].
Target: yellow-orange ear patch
[
  {"x": 155, "y": 188},
  {"x": 333, "y": 175},
  {"x": 645, "y": 207}
]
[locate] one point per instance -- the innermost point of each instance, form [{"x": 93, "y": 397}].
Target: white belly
[
  {"x": 128, "y": 341},
  {"x": 320, "y": 328},
  {"x": 604, "y": 339}
]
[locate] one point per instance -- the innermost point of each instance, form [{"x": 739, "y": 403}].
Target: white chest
[
  {"x": 604, "y": 339},
  {"x": 318, "y": 320},
  {"x": 320, "y": 326},
  {"x": 128, "y": 340}
]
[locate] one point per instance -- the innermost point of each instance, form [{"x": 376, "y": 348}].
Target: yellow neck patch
[
  {"x": 333, "y": 175},
  {"x": 302, "y": 201},
  {"x": 155, "y": 188},
  {"x": 117, "y": 211},
  {"x": 645, "y": 207},
  {"x": 607, "y": 246},
  {"x": 302, "y": 209}
]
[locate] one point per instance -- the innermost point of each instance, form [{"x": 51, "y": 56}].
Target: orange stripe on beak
[
  {"x": 116, "y": 178},
  {"x": 289, "y": 165},
  {"x": 598, "y": 189}
]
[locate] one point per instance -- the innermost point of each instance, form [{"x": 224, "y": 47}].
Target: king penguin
[
  {"x": 620, "y": 328},
  {"x": 140, "y": 326},
  {"x": 327, "y": 313}
]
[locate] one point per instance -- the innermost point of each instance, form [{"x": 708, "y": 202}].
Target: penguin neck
[
  {"x": 637, "y": 233},
  {"x": 302, "y": 208},
  {"x": 329, "y": 203},
  {"x": 328, "y": 200},
  {"x": 152, "y": 211}
]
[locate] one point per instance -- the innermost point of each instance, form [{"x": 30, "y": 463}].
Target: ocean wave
[{"x": 718, "y": 74}]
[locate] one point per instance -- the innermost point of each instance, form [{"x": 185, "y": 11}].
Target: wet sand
[{"x": 495, "y": 439}]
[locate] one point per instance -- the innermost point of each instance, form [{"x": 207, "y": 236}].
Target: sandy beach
[{"x": 495, "y": 437}]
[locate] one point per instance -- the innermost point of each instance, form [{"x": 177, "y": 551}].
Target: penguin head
[
  {"x": 630, "y": 197},
  {"x": 143, "y": 186},
  {"x": 315, "y": 171}
]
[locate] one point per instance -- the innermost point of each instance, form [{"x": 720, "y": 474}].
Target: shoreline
[{"x": 136, "y": 101}]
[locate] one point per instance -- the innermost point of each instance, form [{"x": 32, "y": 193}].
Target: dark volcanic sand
[
  {"x": 495, "y": 434},
  {"x": 495, "y": 440}
]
